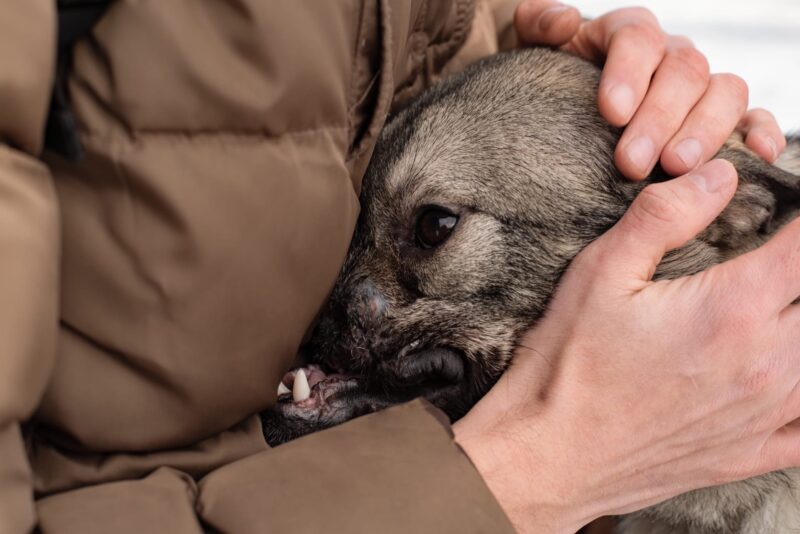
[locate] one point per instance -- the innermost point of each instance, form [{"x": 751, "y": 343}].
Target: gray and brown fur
[{"x": 516, "y": 148}]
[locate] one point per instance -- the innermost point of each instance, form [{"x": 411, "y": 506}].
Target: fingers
[
  {"x": 664, "y": 216},
  {"x": 634, "y": 44},
  {"x": 708, "y": 125},
  {"x": 659, "y": 86},
  {"x": 678, "y": 84},
  {"x": 762, "y": 134},
  {"x": 545, "y": 22}
]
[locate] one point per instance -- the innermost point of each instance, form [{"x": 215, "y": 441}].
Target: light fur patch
[{"x": 789, "y": 160}]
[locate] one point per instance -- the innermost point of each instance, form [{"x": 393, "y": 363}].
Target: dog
[{"x": 478, "y": 196}]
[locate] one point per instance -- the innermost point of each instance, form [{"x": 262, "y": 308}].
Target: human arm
[
  {"x": 656, "y": 84},
  {"x": 629, "y": 391},
  {"x": 28, "y": 245}
]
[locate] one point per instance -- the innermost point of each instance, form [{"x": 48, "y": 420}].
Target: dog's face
[
  {"x": 477, "y": 198},
  {"x": 449, "y": 262},
  {"x": 473, "y": 206}
]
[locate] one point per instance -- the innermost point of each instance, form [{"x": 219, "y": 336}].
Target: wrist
[{"x": 531, "y": 486}]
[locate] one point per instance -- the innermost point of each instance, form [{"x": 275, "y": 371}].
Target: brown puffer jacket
[{"x": 154, "y": 293}]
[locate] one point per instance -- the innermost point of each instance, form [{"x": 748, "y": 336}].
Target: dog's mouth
[
  {"x": 311, "y": 398},
  {"x": 310, "y": 389},
  {"x": 316, "y": 394}
]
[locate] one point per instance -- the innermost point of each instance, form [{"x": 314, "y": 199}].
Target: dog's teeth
[
  {"x": 300, "y": 390},
  {"x": 282, "y": 389}
]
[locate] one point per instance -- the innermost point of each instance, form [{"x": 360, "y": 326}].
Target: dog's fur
[{"x": 516, "y": 149}]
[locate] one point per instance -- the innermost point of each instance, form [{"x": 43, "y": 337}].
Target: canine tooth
[
  {"x": 282, "y": 389},
  {"x": 300, "y": 390}
]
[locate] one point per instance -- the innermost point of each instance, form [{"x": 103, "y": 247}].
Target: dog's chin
[{"x": 333, "y": 398}]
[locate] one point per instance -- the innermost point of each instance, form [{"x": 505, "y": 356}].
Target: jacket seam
[
  {"x": 385, "y": 90},
  {"x": 465, "y": 10},
  {"x": 429, "y": 57}
]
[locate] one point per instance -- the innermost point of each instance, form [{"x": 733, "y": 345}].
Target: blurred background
[{"x": 757, "y": 39}]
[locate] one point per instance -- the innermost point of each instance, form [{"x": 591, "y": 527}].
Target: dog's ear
[{"x": 767, "y": 198}]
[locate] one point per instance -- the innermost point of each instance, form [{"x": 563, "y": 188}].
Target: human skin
[
  {"x": 657, "y": 84},
  {"x": 629, "y": 392}
]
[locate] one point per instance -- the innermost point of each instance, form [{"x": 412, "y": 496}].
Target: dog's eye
[{"x": 434, "y": 226}]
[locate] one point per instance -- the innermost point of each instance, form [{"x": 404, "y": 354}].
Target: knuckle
[
  {"x": 734, "y": 86},
  {"x": 762, "y": 119},
  {"x": 693, "y": 64},
  {"x": 654, "y": 202},
  {"x": 715, "y": 123},
  {"x": 761, "y": 115},
  {"x": 680, "y": 41},
  {"x": 645, "y": 35},
  {"x": 661, "y": 118},
  {"x": 641, "y": 14}
]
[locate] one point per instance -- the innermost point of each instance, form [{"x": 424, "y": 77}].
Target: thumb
[
  {"x": 665, "y": 216},
  {"x": 545, "y": 22}
]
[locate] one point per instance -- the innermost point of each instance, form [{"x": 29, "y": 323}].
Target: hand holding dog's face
[
  {"x": 656, "y": 84},
  {"x": 631, "y": 391}
]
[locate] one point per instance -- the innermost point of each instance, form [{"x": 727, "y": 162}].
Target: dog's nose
[{"x": 368, "y": 302}]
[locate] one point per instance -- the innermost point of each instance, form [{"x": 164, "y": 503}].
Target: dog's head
[
  {"x": 450, "y": 260},
  {"x": 477, "y": 198}
]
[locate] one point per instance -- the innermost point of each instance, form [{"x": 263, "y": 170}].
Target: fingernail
[
  {"x": 689, "y": 151},
  {"x": 549, "y": 16},
  {"x": 621, "y": 98},
  {"x": 641, "y": 152},
  {"x": 713, "y": 176},
  {"x": 773, "y": 147}
]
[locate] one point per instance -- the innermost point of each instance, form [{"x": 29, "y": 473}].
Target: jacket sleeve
[
  {"x": 28, "y": 243},
  {"x": 395, "y": 471}
]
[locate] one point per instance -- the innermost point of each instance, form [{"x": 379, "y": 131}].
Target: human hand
[
  {"x": 629, "y": 391},
  {"x": 657, "y": 84}
]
